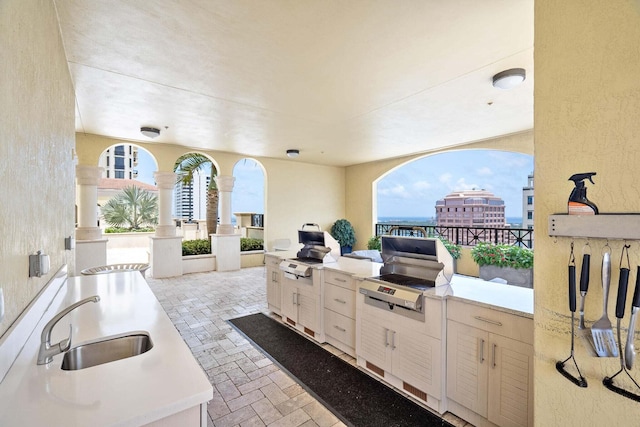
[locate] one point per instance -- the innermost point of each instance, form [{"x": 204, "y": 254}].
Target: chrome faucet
[{"x": 47, "y": 351}]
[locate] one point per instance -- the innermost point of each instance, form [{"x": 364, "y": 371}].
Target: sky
[{"x": 410, "y": 190}]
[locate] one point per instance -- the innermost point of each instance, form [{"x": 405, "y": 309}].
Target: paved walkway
[{"x": 249, "y": 390}]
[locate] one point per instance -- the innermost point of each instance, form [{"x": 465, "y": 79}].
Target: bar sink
[{"x": 105, "y": 350}]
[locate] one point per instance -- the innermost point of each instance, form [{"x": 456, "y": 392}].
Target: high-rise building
[
  {"x": 119, "y": 162},
  {"x": 470, "y": 208},
  {"x": 190, "y": 200},
  {"x": 527, "y": 204}
]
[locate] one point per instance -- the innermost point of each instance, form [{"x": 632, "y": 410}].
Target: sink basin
[{"x": 106, "y": 350}]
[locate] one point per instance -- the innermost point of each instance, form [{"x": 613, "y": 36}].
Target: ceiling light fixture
[
  {"x": 150, "y": 132},
  {"x": 509, "y": 79},
  {"x": 293, "y": 153}
]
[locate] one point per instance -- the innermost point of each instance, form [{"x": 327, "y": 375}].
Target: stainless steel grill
[
  {"x": 411, "y": 266},
  {"x": 318, "y": 248}
]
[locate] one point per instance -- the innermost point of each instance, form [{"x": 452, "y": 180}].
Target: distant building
[
  {"x": 119, "y": 162},
  {"x": 527, "y": 204},
  {"x": 190, "y": 200},
  {"x": 470, "y": 208}
]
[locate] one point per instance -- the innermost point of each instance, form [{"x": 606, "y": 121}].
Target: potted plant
[
  {"x": 374, "y": 243},
  {"x": 454, "y": 250},
  {"x": 511, "y": 263},
  {"x": 343, "y": 232}
]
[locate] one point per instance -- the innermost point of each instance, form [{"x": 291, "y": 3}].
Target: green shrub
[
  {"x": 196, "y": 247},
  {"x": 502, "y": 255},
  {"x": 128, "y": 230},
  {"x": 343, "y": 232},
  {"x": 248, "y": 244},
  {"x": 454, "y": 250},
  {"x": 374, "y": 243}
]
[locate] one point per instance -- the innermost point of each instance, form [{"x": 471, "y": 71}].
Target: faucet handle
[{"x": 65, "y": 344}]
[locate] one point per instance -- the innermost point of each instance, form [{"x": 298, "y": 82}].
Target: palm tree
[
  {"x": 186, "y": 166},
  {"x": 132, "y": 207}
]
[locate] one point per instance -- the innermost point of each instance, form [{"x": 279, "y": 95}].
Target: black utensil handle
[
  {"x": 572, "y": 288},
  {"x": 622, "y": 292},
  {"x": 636, "y": 293},
  {"x": 584, "y": 273}
]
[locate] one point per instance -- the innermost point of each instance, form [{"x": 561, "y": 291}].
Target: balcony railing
[{"x": 465, "y": 236}]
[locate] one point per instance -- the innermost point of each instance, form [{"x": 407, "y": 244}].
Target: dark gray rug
[{"x": 353, "y": 396}]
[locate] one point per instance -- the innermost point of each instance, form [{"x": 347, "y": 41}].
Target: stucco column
[
  {"x": 87, "y": 178},
  {"x": 165, "y": 182},
  {"x": 225, "y": 187}
]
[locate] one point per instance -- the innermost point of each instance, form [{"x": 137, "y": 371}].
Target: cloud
[
  {"x": 485, "y": 171},
  {"x": 445, "y": 178},
  {"x": 422, "y": 185},
  {"x": 397, "y": 191}
]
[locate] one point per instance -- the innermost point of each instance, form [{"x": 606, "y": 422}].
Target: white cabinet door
[
  {"x": 274, "y": 289},
  {"x": 289, "y": 301},
  {"x": 416, "y": 360},
  {"x": 374, "y": 338},
  {"x": 307, "y": 308},
  {"x": 467, "y": 366},
  {"x": 510, "y": 382}
]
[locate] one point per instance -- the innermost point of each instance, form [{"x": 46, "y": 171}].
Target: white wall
[{"x": 37, "y": 128}]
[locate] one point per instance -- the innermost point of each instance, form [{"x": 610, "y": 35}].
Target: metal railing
[{"x": 465, "y": 236}]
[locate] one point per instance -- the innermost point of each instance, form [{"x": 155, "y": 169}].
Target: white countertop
[
  {"x": 508, "y": 298},
  {"x": 133, "y": 391}
]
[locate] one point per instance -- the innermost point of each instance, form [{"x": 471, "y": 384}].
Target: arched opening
[
  {"x": 126, "y": 166},
  {"x": 195, "y": 196},
  {"x": 247, "y": 201}
]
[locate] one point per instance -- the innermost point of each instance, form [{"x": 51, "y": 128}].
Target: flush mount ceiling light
[
  {"x": 509, "y": 79},
  {"x": 150, "y": 132},
  {"x": 293, "y": 153}
]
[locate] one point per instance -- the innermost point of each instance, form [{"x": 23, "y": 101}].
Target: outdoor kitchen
[{"x": 449, "y": 343}]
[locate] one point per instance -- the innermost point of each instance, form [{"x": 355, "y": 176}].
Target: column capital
[
  {"x": 225, "y": 182},
  {"x": 88, "y": 175},
  {"x": 165, "y": 180}
]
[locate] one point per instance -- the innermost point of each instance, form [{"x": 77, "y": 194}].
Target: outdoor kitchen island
[{"x": 473, "y": 354}]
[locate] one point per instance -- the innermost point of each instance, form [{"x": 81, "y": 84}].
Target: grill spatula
[{"x": 602, "y": 332}]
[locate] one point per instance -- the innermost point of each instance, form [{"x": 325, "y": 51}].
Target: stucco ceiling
[{"x": 343, "y": 81}]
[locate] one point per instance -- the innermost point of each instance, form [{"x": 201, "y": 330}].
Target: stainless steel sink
[{"x": 106, "y": 350}]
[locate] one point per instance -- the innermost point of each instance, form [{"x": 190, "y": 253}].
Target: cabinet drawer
[
  {"x": 340, "y": 327},
  {"x": 339, "y": 279},
  {"x": 491, "y": 320},
  {"x": 340, "y": 300},
  {"x": 272, "y": 261}
]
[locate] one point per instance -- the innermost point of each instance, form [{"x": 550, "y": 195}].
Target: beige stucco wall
[
  {"x": 295, "y": 192},
  {"x": 360, "y": 179},
  {"x": 37, "y": 127},
  {"x": 587, "y": 119}
]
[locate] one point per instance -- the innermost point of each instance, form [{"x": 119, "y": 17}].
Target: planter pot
[
  {"x": 345, "y": 250},
  {"x": 514, "y": 276}
]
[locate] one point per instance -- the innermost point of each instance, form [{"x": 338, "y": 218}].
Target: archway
[
  {"x": 125, "y": 165},
  {"x": 247, "y": 202}
]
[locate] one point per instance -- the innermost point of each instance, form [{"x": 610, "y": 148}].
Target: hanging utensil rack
[{"x": 602, "y": 226}]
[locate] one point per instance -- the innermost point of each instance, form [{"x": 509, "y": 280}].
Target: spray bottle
[{"x": 578, "y": 202}]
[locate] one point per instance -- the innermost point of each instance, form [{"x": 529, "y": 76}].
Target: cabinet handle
[
  {"x": 340, "y": 280},
  {"x": 484, "y": 319},
  {"x": 393, "y": 340},
  {"x": 481, "y": 350},
  {"x": 493, "y": 355},
  {"x": 340, "y": 301},
  {"x": 386, "y": 337},
  {"x": 339, "y": 328}
]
